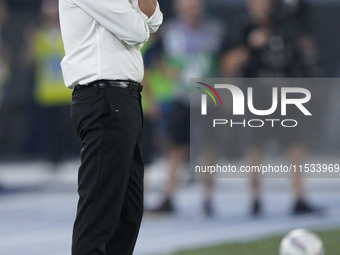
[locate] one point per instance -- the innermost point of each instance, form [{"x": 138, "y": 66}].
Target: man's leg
[
  {"x": 109, "y": 123},
  {"x": 179, "y": 133},
  {"x": 297, "y": 154},
  {"x": 255, "y": 157},
  {"x": 124, "y": 238}
]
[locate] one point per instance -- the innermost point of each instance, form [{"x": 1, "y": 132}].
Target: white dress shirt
[{"x": 102, "y": 39}]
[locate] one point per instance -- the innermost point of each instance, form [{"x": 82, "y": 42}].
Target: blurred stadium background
[{"x": 39, "y": 150}]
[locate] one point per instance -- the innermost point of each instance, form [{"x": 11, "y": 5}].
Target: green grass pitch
[{"x": 267, "y": 246}]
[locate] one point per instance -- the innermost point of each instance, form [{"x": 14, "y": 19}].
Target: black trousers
[{"x": 110, "y": 182}]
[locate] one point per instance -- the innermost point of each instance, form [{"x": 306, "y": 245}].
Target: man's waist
[
  {"x": 124, "y": 84},
  {"x": 78, "y": 69}
]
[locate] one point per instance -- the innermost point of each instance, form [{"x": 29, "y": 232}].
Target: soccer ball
[{"x": 301, "y": 242}]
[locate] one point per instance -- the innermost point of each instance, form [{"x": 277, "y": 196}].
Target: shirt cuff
[{"x": 155, "y": 20}]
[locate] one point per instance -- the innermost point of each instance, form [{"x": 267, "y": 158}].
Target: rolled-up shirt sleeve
[
  {"x": 120, "y": 18},
  {"x": 154, "y": 21}
]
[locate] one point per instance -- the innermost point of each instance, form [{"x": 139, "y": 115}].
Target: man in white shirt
[{"x": 104, "y": 66}]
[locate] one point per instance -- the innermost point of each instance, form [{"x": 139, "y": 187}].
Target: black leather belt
[{"x": 131, "y": 85}]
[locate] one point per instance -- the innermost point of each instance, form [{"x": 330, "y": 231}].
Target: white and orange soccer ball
[{"x": 301, "y": 242}]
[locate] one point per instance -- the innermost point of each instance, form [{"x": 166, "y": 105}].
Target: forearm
[
  {"x": 118, "y": 17},
  {"x": 148, "y": 7}
]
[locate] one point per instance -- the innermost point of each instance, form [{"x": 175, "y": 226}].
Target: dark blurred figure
[
  {"x": 4, "y": 55},
  {"x": 274, "y": 45},
  {"x": 167, "y": 8},
  {"x": 158, "y": 97},
  {"x": 190, "y": 43},
  {"x": 4, "y": 72},
  {"x": 331, "y": 141},
  {"x": 54, "y": 136}
]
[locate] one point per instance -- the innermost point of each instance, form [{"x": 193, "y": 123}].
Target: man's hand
[{"x": 148, "y": 7}]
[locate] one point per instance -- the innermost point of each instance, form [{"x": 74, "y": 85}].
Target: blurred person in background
[
  {"x": 4, "y": 53},
  {"x": 331, "y": 141},
  {"x": 190, "y": 43},
  {"x": 4, "y": 69},
  {"x": 4, "y": 57},
  {"x": 167, "y": 6},
  {"x": 158, "y": 95},
  {"x": 274, "y": 45},
  {"x": 54, "y": 135}
]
